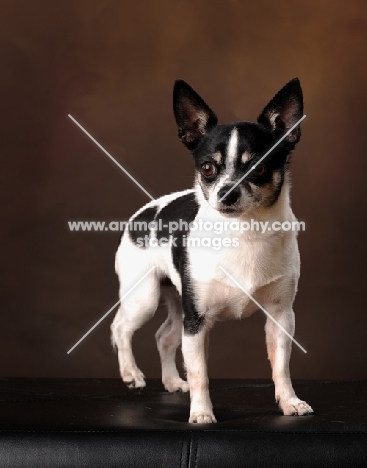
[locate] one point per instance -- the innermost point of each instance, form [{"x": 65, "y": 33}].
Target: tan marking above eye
[
  {"x": 245, "y": 157},
  {"x": 208, "y": 169},
  {"x": 217, "y": 156}
]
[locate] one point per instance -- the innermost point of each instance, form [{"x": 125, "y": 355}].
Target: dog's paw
[
  {"x": 295, "y": 407},
  {"x": 176, "y": 385},
  {"x": 202, "y": 417},
  {"x": 134, "y": 378}
]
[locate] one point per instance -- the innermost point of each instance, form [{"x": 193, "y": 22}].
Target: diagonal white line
[
  {"x": 263, "y": 157},
  {"x": 105, "y": 315},
  {"x": 112, "y": 159},
  {"x": 262, "y": 308}
]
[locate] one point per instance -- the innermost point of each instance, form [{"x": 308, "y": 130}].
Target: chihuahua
[{"x": 163, "y": 245}]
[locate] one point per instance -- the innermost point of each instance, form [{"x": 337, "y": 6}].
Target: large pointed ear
[
  {"x": 284, "y": 111},
  {"x": 193, "y": 116}
]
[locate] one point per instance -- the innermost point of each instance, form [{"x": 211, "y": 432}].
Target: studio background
[{"x": 112, "y": 64}]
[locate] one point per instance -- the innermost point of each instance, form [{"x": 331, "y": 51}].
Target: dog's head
[{"x": 223, "y": 154}]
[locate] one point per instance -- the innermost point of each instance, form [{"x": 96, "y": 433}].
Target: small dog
[{"x": 190, "y": 277}]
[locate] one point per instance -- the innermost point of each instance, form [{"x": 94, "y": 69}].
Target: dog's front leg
[
  {"x": 194, "y": 353},
  {"x": 279, "y": 352}
]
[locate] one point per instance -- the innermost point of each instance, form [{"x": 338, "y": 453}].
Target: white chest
[{"x": 254, "y": 261}]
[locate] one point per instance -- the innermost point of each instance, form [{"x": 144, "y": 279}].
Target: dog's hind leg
[
  {"x": 168, "y": 339},
  {"x": 134, "y": 311}
]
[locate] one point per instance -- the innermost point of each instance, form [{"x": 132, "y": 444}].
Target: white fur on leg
[
  {"x": 193, "y": 349},
  {"x": 136, "y": 309},
  {"x": 279, "y": 351},
  {"x": 121, "y": 337},
  {"x": 168, "y": 340}
]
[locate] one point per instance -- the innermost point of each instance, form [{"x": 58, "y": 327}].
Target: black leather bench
[{"x": 101, "y": 423}]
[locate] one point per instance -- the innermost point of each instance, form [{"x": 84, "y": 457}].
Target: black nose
[{"x": 232, "y": 196}]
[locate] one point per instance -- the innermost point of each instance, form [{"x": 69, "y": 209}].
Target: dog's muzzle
[{"x": 231, "y": 197}]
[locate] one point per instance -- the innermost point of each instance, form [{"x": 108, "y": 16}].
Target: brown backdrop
[{"x": 111, "y": 64}]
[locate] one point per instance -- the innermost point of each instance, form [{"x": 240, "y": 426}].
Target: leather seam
[
  {"x": 182, "y": 446},
  {"x": 190, "y": 451},
  {"x": 196, "y": 452},
  {"x": 44, "y": 431}
]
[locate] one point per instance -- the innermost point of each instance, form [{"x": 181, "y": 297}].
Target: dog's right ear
[{"x": 193, "y": 116}]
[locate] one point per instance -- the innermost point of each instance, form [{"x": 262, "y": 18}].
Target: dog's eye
[
  {"x": 259, "y": 170},
  {"x": 207, "y": 169}
]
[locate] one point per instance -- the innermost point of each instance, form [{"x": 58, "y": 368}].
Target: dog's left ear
[
  {"x": 193, "y": 116},
  {"x": 283, "y": 111}
]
